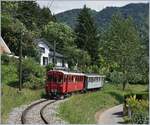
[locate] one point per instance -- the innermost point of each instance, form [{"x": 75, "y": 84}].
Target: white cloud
[{"x": 63, "y": 5}]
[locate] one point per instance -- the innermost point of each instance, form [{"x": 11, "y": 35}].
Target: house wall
[
  {"x": 59, "y": 61},
  {"x": 66, "y": 64},
  {"x": 46, "y": 54}
]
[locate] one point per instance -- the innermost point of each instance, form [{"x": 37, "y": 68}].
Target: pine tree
[{"x": 86, "y": 31}]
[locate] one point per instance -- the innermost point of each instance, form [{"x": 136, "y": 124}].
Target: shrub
[
  {"x": 141, "y": 95},
  {"x": 117, "y": 77},
  {"x": 139, "y": 110},
  {"x": 34, "y": 82},
  {"x": 6, "y": 59},
  {"x": 49, "y": 67},
  {"x": 139, "y": 117},
  {"x": 32, "y": 74}
]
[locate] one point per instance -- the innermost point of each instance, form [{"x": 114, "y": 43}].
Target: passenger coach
[
  {"x": 93, "y": 81},
  {"x": 62, "y": 83}
]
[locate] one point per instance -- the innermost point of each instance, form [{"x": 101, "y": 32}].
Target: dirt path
[{"x": 111, "y": 116}]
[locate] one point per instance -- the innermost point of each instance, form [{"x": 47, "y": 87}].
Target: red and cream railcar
[{"x": 60, "y": 83}]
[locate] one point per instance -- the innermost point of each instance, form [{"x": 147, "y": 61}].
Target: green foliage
[
  {"x": 91, "y": 69},
  {"x": 33, "y": 74},
  {"x": 9, "y": 73},
  {"x": 141, "y": 95},
  {"x": 23, "y": 21},
  {"x": 49, "y": 67},
  {"x": 139, "y": 110},
  {"x": 64, "y": 37},
  {"x": 14, "y": 31},
  {"x": 61, "y": 33},
  {"x": 5, "y": 59},
  {"x": 139, "y": 12},
  {"x": 34, "y": 16},
  {"x": 121, "y": 43},
  {"x": 11, "y": 98},
  {"x": 140, "y": 118},
  {"x": 33, "y": 82},
  {"x": 116, "y": 77},
  {"x": 87, "y": 36}
]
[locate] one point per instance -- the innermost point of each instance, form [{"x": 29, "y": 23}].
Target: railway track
[{"x": 25, "y": 112}]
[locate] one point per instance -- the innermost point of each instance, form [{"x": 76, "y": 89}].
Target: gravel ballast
[{"x": 33, "y": 115}]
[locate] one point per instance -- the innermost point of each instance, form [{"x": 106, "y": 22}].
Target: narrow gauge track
[
  {"x": 24, "y": 113},
  {"x": 42, "y": 111}
]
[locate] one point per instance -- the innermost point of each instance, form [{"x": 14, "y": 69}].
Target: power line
[{"x": 50, "y": 4}]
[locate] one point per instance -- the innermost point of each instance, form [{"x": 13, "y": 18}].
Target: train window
[
  {"x": 89, "y": 80},
  {"x": 96, "y": 79},
  {"x": 59, "y": 79},
  {"x": 81, "y": 78},
  {"x": 75, "y": 78},
  {"x": 50, "y": 78},
  {"x": 99, "y": 79},
  {"x": 78, "y": 78},
  {"x": 70, "y": 78}
]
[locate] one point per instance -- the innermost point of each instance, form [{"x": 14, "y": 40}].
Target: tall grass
[
  {"x": 82, "y": 108},
  {"x": 12, "y": 98}
]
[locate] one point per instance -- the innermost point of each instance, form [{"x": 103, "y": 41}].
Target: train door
[{"x": 65, "y": 83}]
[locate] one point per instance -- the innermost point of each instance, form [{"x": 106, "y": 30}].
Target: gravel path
[
  {"x": 112, "y": 116},
  {"x": 34, "y": 114}
]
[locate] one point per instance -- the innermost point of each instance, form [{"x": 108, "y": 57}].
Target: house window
[
  {"x": 42, "y": 50},
  {"x": 45, "y": 61}
]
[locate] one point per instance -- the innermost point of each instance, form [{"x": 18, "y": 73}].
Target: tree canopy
[
  {"x": 122, "y": 46},
  {"x": 87, "y": 36}
]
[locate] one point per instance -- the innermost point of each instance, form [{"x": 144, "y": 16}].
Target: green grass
[
  {"x": 82, "y": 108},
  {"x": 11, "y": 97}
]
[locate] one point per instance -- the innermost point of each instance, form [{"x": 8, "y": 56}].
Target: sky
[{"x": 57, "y": 6}]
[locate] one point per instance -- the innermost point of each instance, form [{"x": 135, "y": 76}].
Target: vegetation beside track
[
  {"x": 11, "y": 97},
  {"x": 82, "y": 108}
]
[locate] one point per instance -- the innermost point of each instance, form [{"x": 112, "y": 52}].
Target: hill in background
[{"x": 139, "y": 12}]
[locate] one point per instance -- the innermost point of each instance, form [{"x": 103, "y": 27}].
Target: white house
[{"x": 47, "y": 54}]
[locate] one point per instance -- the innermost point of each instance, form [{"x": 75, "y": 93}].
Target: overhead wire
[{"x": 50, "y": 3}]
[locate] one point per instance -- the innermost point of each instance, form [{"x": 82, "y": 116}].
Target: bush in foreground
[
  {"x": 139, "y": 110},
  {"x": 33, "y": 74}
]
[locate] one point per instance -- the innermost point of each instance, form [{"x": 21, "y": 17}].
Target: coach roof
[
  {"x": 94, "y": 75},
  {"x": 68, "y": 73}
]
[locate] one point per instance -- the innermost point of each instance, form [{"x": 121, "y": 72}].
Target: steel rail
[
  {"x": 24, "y": 113},
  {"x": 42, "y": 111}
]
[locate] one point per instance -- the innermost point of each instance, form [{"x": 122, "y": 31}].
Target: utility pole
[
  {"x": 54, "y": 58},
  {"x": 20, "y": 62}
]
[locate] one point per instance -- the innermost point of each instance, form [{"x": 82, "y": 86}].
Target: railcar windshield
[{"x": 55, "y": 78}]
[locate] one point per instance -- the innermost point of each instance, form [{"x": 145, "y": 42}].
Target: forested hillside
[{"x": 139, "y": 12}]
